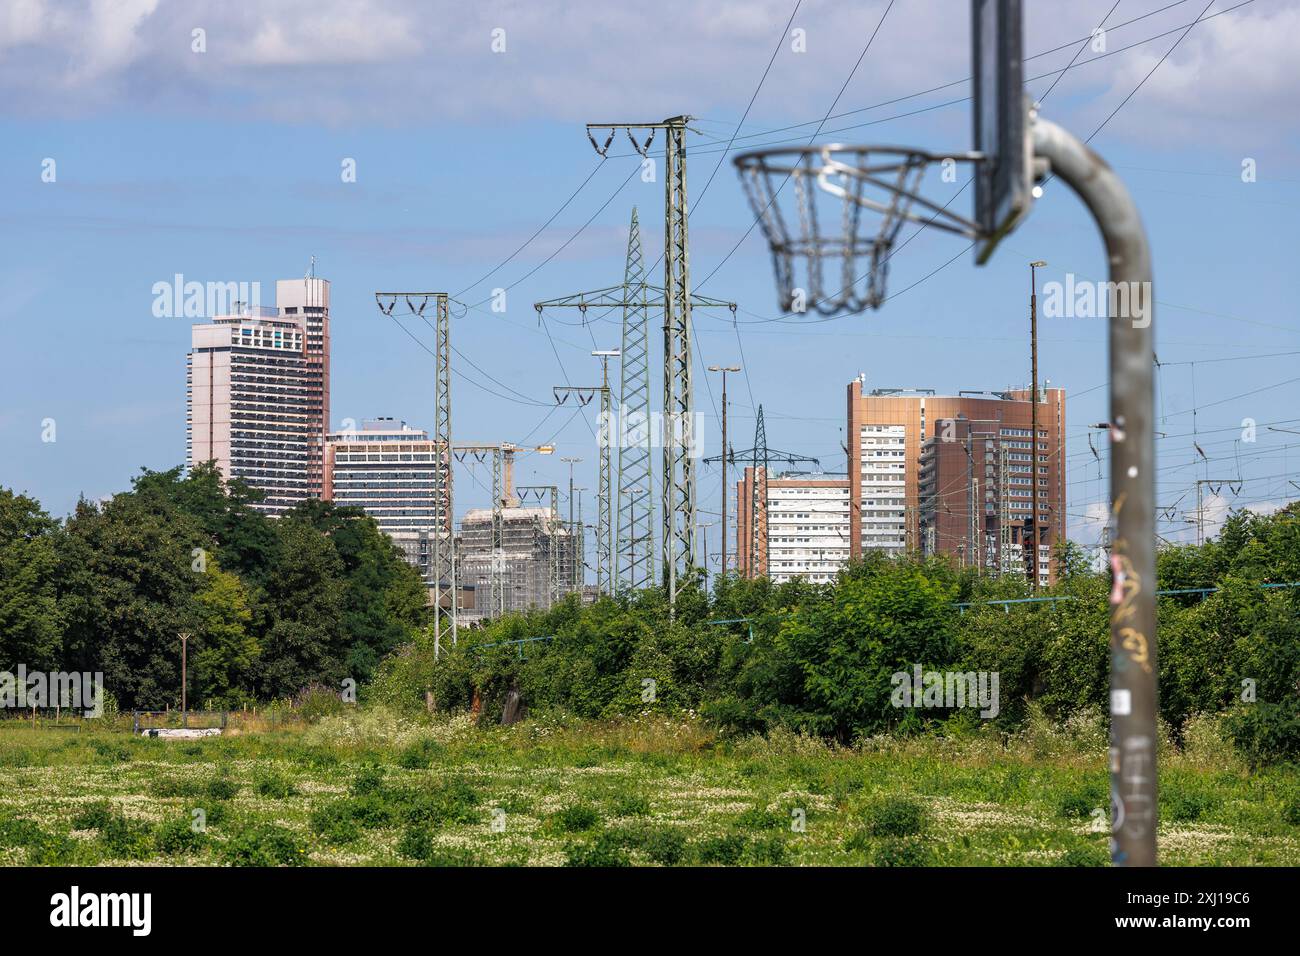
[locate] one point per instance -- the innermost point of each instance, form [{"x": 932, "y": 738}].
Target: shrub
[
  {"x": 267, "y": 844},
  {"x": 317, "y": 701},
  {"x": 334, "y": 823},
  {"x": 725, "y": 850},
  {"x": 664, "y": 845},
  {"x": 447, "y": 801},
  {"x": 274, "y": 786},
  {"x": 178, "y": 836},
  {"x": 92, "y": 816},
  {"x": 575, "y": 819},
  {"x": 417, "y": 843},
  {"x": 43, "y": 848},
  {"x": 603, "y": 851},
  {"x": 420, "y": 755},
  {"x": 1181, "y": 805},
  {"x": 126, "y": 839},
  {"x": 221, "y": 788},
  {"x": 369, "y": 779},
  {"x": 760, "y": 818},
  {"x": 896, "y": 816},
  {"x": 1086, "y": 854},
  {"x": 178, "y": 787},
  {"x": 770, "y": 851},
  {"x": 901, "y": 852}
]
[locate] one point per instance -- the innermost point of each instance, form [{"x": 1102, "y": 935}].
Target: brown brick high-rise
[{"x": 941, "y": 474}]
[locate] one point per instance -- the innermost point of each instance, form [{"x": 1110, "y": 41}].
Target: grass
[{"x": 370, "y": 788}]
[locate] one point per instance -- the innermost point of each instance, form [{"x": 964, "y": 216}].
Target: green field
[{"x": 372, "y": 788}]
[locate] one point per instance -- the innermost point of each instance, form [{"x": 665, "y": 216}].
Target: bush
[
  {"x": 724, "y": 850},
  {"x": 664, "y": 845},
  {"x": 369, "y": 779},
  {"x": 770, "y": 851},
  {"x": 1087, "y": 854},
  {"x": 904, "y": 852},
  {"x": 420, "y": 755},
  {"x": 43, "y": 848},
  {"x": 631, "y": 805},
  {"x": 267, "y": 844},
  {"x": 896, "y": 816},
  {"x": 221, "y": 788},
  {"x": 575, "y": 819},
  {"x": 274, "y": 786},
  {"x": 417, "y": 843},
  {"x": 178, "y": 836},
  {"x": 178, "y": 787},
  {"x": 604, "y": 852},
  {"x": 1180, "y": 805},
  {"x": 760, "y": 818},
  {"x": 126, "y": 839},
  {"x": 92, "y": 816},
  {"x": 334, "y": 823}
]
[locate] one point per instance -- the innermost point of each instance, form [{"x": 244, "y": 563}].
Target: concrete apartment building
[
  {"x": 257, "y": 393},
  {"x": 536, "y": 562},
  {"x": 953, "y": 475},
  {"x": 802, "y": 522},
  {"x": 392, "y": 471}
]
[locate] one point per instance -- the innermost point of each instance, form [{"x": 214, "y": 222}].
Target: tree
[
  {"x": 30, "y": 630},
  {"x": 224, "y": 652}
]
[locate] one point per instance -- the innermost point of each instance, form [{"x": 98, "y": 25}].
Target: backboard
[{"x": 1003, "y": 179}]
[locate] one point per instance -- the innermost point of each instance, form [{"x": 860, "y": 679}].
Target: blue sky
[{"x": 225, "y": 166}]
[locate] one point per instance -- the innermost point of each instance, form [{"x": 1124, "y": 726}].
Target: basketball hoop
[{"x": 851, "y": 201}]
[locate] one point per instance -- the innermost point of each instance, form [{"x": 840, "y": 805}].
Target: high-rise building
[
  {"x": 534, "y": 564},
  {"x": 308, "y": 298},
  {"x": 802, "y": 522},
  {"x": 392, "y": 471},
  {"x": 257, "y": 393},
  {"x": 916, "y": 459}
]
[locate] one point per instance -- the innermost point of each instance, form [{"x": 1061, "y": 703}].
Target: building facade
[
  {"x": 535, "y": 563},
  {"x": 954, "y": 475},
  {"x": 257, "y": 394},
  {"x": 392, "y": 471},
  {"x": 802, "y": 523}
]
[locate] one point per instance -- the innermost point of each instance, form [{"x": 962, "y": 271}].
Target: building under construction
[{"x": 534, "y": 568}]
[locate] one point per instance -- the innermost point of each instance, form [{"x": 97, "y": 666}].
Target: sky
[{"x": 147, "y": 138}]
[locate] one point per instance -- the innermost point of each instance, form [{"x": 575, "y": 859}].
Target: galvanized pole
[
  {"x": 185, "y": 705},
  {"x": 1033, "y": 414},
  {"x": 1133, "y": 701}
]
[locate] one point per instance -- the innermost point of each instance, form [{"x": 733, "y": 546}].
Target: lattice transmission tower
[{"x": 442, "y": 570}]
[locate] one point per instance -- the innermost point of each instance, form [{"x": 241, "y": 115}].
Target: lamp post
[{"x": 724, "y": 369}]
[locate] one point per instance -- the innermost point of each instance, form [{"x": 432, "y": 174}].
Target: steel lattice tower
[
  {"x": 758, "y": 502},
  {"x": 442, "y": 569},
  {"x": 635, "y": 550}
]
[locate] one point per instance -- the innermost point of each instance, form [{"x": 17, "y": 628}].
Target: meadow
[{"x": 369, "y": 787}]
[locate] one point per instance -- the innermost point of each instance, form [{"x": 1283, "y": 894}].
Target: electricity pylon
[
  {"x": 762, "y": 458},
  {"x": 678, "y": 517},
  {"x": 634, "y": 551},
  {"x": 443, "y": 568},
  {"x": 606, "y": 438}
]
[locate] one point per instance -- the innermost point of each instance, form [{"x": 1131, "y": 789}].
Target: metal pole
[
  {"x": 1033, "y": 415},
  {"x": 185, "y": 704},
  {"x": 1133, "y": 703},
  {"x": 724, "y": 369},
  {"x": 573, "y": 541}
]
